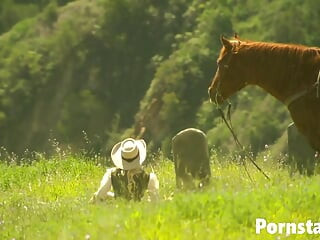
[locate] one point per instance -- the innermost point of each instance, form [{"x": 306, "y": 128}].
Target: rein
[
  {"x": 229, "y": 125},
  {"x": 242, "y": 148},
  {"x": 298, "y": 95}
]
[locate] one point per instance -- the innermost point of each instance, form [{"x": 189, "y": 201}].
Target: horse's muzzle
[
  {"x": 214, "y": 96},
  {"x": 210, "y": 94}
]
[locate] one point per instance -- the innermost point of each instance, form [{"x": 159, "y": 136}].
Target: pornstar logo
[{"x": 307, "y": 227}]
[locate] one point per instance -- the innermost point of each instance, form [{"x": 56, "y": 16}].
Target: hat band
[{"x": 130, "y": 159}]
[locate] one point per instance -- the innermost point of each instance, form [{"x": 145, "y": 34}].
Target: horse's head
[{"x": 227, "y": 79}]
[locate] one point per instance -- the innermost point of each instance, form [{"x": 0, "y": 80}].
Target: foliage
[
  {"x": 124, "y": 68},
  {"x": 11, "y": 12},
  {"x": 262, "y": 129},
  {"x": 253, "y": 108}
]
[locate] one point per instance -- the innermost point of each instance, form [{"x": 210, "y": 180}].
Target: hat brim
[{"x": 119, "y": 162}]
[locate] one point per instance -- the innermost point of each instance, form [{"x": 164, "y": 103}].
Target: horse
[
  {"x": 191, "y": 158},
  {"x": 289, "y": 72},
  {"x": 301, "y": 156}
]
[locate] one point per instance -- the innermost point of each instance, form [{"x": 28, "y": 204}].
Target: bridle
[
  {"x": 228, "y": 122},
  {"x": 288, "y": 102},
  {"x": 223, "y": 64}
]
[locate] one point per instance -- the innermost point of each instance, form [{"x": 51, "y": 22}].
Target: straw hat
[{"x": 129, "y": 154}]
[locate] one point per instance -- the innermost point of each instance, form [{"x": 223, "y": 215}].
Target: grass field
[{"x": 48, "y": 199}]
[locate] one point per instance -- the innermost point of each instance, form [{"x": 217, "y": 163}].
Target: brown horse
[{"x": 291, "y": 73}]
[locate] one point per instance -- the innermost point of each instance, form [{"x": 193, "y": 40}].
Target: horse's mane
[{"x": 296, "y": 50}]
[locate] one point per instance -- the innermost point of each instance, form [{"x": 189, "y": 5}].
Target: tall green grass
[{"x": 48, "y": 199}]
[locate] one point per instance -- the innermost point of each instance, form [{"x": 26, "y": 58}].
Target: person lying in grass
[{"x": 127, "y": 178}]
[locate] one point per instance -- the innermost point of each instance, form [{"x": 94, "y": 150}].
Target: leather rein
[
  {"x": 288, "y": 101},
  {"x": 230, "y": 127},
  {"x": 300, "y": 94}
]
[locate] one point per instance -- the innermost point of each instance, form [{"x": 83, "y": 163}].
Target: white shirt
[{"x": 105, "y": 186}]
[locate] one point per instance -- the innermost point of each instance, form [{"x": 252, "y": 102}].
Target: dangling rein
[
  {"x": 238, "y": 142},
  {"x": 298, "y": 95}
]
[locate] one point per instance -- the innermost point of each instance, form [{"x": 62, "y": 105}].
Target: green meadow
[
  {"x": 85, "y": 74},
  {"x": 48, "y": 199}
]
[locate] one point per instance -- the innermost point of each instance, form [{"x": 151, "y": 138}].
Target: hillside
[{"x": 84, "y": 74}]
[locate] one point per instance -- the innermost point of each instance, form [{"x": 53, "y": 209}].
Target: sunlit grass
[{"x": 48, "y": 199}]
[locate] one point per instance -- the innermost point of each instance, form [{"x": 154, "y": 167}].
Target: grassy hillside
[{"x": 48, "y": 199}]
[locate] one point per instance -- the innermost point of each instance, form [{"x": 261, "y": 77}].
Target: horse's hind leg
[{"x": 204, "y": 175}]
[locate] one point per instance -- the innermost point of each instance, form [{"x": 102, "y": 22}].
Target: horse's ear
[{"x": 225, "y": 42}]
